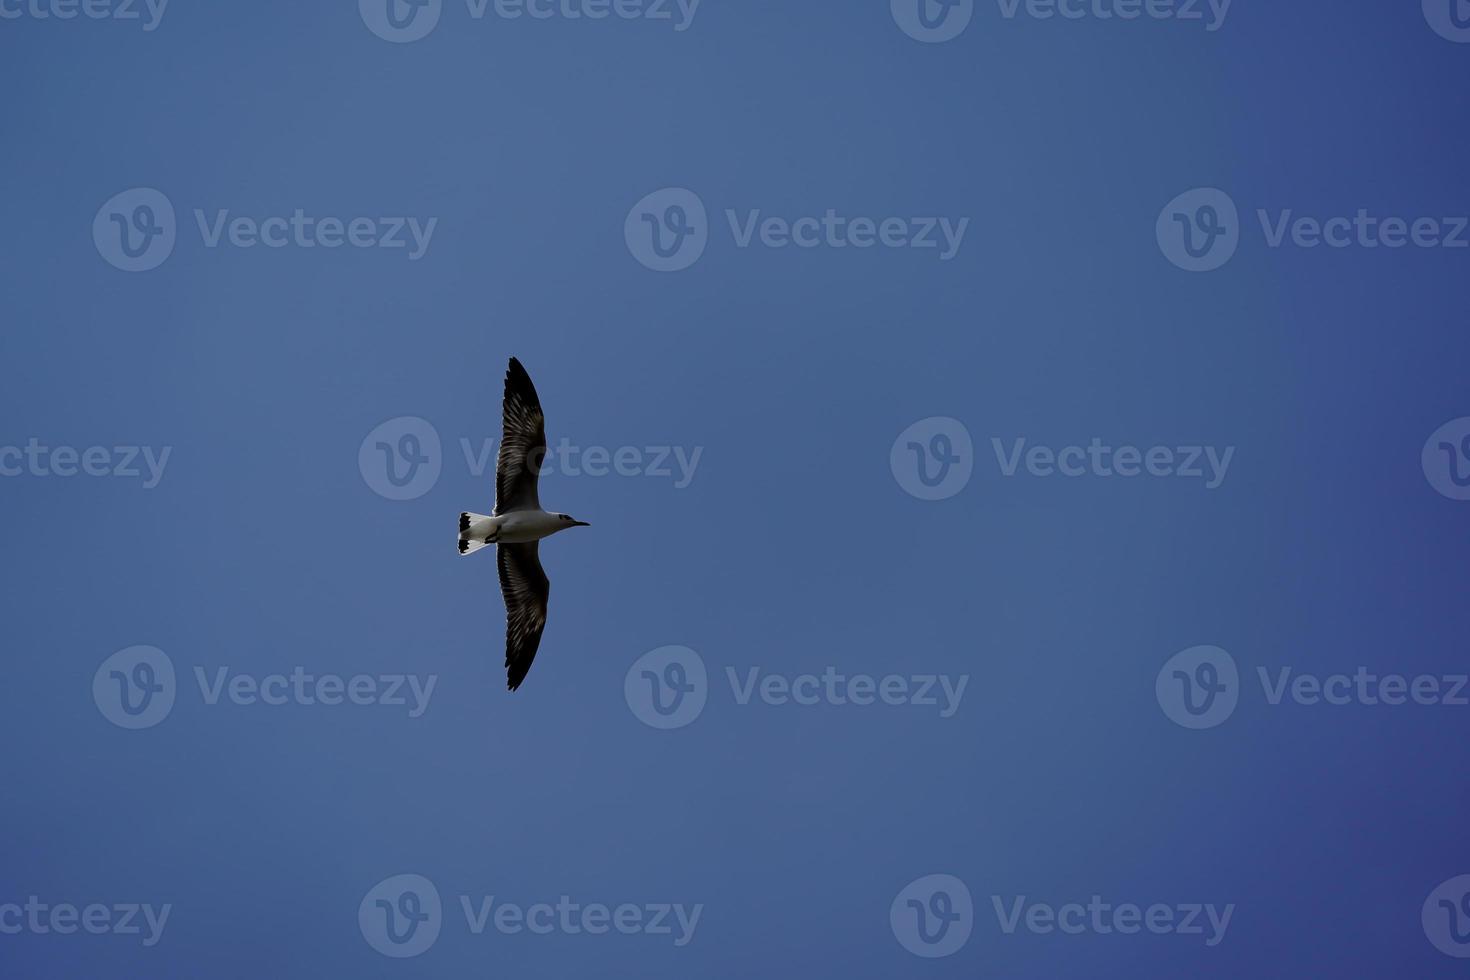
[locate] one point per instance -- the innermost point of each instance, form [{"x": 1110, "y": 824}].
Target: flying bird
[{"x": 518, "y": 524}]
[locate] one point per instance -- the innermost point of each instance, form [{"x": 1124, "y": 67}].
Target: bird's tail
[{"x": 470, "y": 540}]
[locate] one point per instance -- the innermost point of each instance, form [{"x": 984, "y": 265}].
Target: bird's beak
[{"x": 580, "y": 524}]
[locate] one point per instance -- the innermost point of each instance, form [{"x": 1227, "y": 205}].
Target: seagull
[{"x": 518, "y": 523}]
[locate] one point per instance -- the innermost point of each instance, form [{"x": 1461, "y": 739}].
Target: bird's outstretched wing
[
  {"x": 525, "y": 587},
  {"x": 522, "y": 444}
]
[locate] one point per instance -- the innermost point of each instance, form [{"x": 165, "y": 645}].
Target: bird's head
[{"x": 568, "y": 521}]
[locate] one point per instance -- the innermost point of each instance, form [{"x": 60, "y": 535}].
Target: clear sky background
[{"x": 266, "y": 545}]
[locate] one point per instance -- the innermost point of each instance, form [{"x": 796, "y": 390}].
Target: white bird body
[{"x": 516, "y": 527}]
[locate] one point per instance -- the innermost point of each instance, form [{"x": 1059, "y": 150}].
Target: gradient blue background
[{"x": 793, "y": 548}]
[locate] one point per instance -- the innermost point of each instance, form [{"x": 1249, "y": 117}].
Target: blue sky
[{"x": 1025, "y": 456}]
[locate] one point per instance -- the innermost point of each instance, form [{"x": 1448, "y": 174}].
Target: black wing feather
[
  {"x": 522, "y": 443},
  {"x": 525, "y": 587}
]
